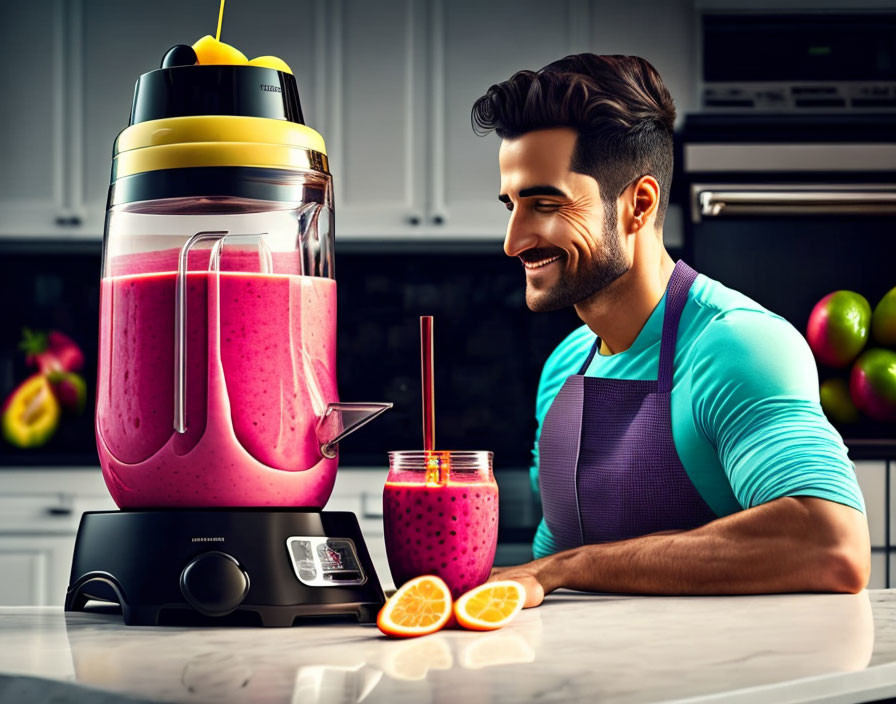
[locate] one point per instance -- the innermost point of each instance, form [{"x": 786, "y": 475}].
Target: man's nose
[{"x": 519, "y": 236}]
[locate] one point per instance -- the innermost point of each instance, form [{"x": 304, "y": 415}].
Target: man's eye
[
  {"x": 509, "y": 206},
  {"x": 546, "y": 205}
]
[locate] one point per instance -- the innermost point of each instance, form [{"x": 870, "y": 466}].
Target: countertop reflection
[{"x": 574, "y": 647}]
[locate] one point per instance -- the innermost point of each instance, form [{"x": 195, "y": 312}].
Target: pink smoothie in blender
[{"x": 251, "y": 405}]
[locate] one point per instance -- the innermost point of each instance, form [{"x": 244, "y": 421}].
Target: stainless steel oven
[
  {"x": 786, "y": 222},
  {"x": 788, "y": 172}
]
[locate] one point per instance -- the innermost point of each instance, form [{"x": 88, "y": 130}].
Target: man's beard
[{"x": 593, "y": 275}]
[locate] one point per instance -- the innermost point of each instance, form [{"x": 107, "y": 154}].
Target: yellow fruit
[
  {"x": 31, "y": 413},
  {"x": 421, "y": 606},
  {"x": 271, "y": 62},
  {"x": 209, "y": 51},
  {"x": 490, "y": 605}
]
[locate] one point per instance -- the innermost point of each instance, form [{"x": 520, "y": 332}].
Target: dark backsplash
[{"x": 489, "y": 347}]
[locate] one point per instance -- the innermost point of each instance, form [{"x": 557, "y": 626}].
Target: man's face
[{"x": 557, "y": 225}]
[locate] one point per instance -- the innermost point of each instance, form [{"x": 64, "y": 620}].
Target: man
[{"x": 681, "y": 447}]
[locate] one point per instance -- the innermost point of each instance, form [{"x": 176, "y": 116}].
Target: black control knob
[{"x": 214, "y": 584}]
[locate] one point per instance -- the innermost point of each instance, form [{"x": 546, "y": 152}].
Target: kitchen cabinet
[
  {"x": 60, "y": 117},
  {"x": 38, "y": 118},
  {"x": 404, "y": 76},
  {"x": 390, "y": 86},
  {"x": 40, "y": 511},
  {"x": 39, "y": 515}
]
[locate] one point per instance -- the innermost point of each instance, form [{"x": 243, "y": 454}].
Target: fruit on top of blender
[
  {"x": 872, "y": 384},
  {"x": 883, "y": 320},
  {"x": 51, "y": 352},
  {"x": 490, "y": 606},
  {"x": 179, "y": 55},
  {"x": 271, "y": 62},
  {"x": 211, "y": 51},
  {"x": 31, "y": 413},
  {"x": 70, "y": 390},
  {"x": 420, "y": 606},
  {"x": 838, "y": 327}
]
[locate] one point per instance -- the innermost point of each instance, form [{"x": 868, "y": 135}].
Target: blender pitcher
[{"x": 217, "y": 362}]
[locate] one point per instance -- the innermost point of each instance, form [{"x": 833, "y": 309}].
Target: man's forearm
[{"x": 787, "y": 545}]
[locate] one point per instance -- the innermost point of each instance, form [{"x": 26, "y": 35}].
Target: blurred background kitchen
[{"x": 785, "y": 189}]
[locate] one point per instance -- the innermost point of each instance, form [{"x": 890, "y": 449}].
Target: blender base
[{"x": 228, "y": 567}]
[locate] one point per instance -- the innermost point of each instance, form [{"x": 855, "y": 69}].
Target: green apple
[
  {"x": 836, "y": 402},
  {"x": 883, "y": 320}
]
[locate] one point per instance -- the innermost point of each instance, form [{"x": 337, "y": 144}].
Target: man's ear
[{"x": 638, "y": 204}]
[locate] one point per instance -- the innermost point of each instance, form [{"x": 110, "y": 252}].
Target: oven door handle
[{"x": 718, "y": 203}]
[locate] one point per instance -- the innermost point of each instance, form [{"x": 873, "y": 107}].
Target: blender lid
[
  {"x": 250, "y": 91},
  {"x": 214, "y": 130}
]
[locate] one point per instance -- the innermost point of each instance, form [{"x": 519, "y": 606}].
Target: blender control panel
[{"x": 325, "y": 562}]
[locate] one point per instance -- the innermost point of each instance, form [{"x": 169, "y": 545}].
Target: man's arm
[{"x": 792, "y": 544}]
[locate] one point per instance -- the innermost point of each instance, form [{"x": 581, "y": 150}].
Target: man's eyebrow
[{"x": 535, "y": 191}]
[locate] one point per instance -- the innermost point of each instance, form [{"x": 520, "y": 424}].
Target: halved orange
[
  {"x": 490, "y": 605},
  {"x": 421, "y": 606}
]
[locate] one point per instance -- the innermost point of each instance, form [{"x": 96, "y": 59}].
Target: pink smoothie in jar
[
  {"x": 447, "y": 526},
  {"x": 259, "y": 374}
]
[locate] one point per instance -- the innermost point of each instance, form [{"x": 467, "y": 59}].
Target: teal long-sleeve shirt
[{"x": 746, "y": 418}]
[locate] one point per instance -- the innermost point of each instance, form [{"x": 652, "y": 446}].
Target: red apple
[
  {"x": 838, "y": 327},
  {"x": 872, "y": 384}
]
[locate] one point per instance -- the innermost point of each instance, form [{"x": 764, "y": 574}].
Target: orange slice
[
  {"x": 490, "y": 605},
  {"x": 419, "y": 607}
]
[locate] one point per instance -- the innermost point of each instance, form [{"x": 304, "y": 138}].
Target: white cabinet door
[
  {"x": 123, "y": 40},
  {"x": 375, "y": 111},
  {"x": 475, "y": 45},
  {"x": 34, "y": 134},
  {"x": 35, "y": 569}
]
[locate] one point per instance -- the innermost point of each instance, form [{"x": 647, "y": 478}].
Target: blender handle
[
  {"x": 180, "y": 307},
  {"x": 180, "y": 325}
]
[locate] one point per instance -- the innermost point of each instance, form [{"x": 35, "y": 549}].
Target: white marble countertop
[{"x": 575, "y": 647}]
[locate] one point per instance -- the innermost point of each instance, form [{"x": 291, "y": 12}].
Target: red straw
[{"x": 426, "y": 370}]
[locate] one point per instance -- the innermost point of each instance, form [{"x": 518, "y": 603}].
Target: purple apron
[{"x": 608, "y": 466}]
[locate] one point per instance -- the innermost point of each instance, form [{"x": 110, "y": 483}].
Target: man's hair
[{"x": 618, "y": 104}]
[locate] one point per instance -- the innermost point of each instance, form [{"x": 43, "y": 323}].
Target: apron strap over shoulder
[{"x": 677, "y": 295}]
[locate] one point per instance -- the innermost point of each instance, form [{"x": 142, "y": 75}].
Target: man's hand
[{"x": 537, "y": 577}]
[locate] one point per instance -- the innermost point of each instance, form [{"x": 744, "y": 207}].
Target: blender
[{"x": 217, "y": 417}]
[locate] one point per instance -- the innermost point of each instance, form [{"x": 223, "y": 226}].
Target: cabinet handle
[
  {"x": 59, "y": 511},
  {"x": 413, "y": 220},
  {"x": 68, "y": 221},
  {"x": 438, "y": 220}
]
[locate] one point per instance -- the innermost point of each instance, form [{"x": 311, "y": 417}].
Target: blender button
[{"x": 214, "y": 584}]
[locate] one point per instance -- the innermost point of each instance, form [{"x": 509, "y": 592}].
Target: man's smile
[{"x": 539, "y": 258}]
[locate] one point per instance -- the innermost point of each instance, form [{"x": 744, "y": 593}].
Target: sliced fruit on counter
[
  {"x": 420, "y": 606},
  {"x": 883, "y": 320},
  {"x": 31, "y": 413},
  {"x": 70, "y": 390},
  {"x": 51, "y": 352},
  {"x": 490, "y": 605},
  {"x": 838, "y": 327},
  {"x": 837, "y": 403},
  {"x": 872, "y": 384}
]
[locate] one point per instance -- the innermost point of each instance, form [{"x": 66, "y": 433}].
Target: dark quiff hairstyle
[{"x": 618, "y": 104}]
